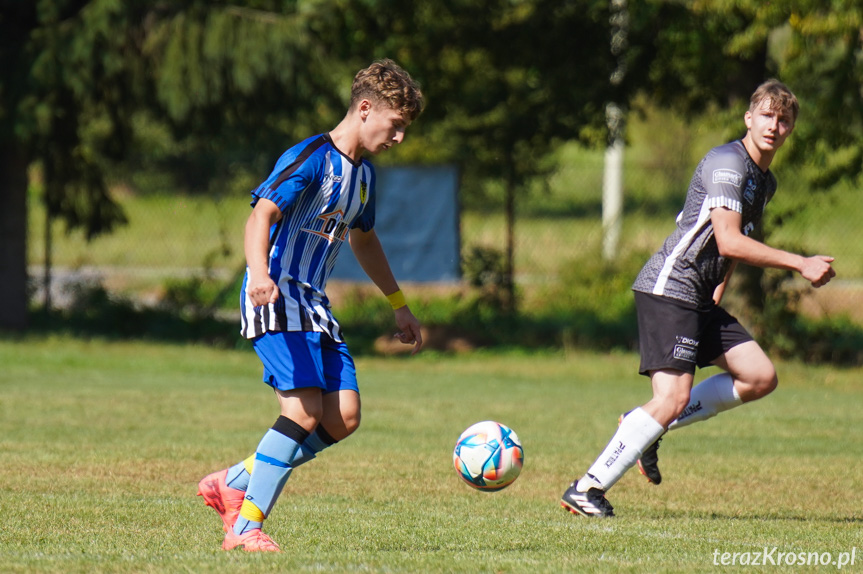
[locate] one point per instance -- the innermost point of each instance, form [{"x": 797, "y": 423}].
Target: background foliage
[{"x": 103, "y": 101}]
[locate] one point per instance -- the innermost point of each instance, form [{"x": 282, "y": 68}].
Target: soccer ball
[{"x": 488, "y": 456}]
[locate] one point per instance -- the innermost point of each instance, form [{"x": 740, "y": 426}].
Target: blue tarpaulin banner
[{"x": 417, "y": 222}]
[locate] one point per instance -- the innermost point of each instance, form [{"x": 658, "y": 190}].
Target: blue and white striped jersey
[
  {"x": 322, "y": 195},
  {"x": 688, "y": 266}
]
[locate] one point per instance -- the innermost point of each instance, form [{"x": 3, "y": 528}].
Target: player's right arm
[
  {"x": 734, "y": 244},
  {"x": 260, "y": 287}
]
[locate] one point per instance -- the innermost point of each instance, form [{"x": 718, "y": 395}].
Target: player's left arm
[
  {"x": 370, "y": 255},
  {"x": 734, "y": 244}
]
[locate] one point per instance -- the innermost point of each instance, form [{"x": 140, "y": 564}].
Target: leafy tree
[
  {"x": 717, "y": 51},
  {"x": 507, "y": 81},
  {"x": 500, "y": 75},
  {"x": 823, "y": 61},
  {"x": 77, "y": 75},
  {"x": 684, "y": 56},
  {"x": 236, "y": 82},
  {"x": 817, "y": 48},
  {"x": 65, "y": 90}
]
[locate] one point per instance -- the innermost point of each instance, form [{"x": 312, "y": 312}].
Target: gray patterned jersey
[{"x": 688, "y": 267}]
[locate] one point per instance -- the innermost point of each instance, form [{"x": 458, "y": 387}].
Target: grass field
[{"x": 103, "y": 444}]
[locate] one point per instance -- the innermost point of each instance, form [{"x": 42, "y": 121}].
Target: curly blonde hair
[{"x": 387, "y": 83}]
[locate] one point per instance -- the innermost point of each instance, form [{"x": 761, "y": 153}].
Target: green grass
[
  {"x": 103, "y": 444},
  {"x": 167, "y": 236}
]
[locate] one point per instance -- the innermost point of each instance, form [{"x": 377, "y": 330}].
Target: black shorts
[{"x": 677, "y": 335}]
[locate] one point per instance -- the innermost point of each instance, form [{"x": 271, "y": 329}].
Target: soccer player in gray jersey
[{"x": 677, "y": 294}]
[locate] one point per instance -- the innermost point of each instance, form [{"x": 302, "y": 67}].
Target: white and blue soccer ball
[{"x": 488, "y": 456}]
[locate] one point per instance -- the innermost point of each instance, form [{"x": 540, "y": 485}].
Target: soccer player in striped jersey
[
  {"x": 320, "y": 194},
  {"x": 677, "y": 294}
]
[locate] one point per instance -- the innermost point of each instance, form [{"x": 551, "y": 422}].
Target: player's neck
[
  {"x": 762, "y": 158},
  {"x": 346, "y": 138}
]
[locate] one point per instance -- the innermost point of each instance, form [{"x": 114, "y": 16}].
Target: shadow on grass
[
  {"x": 122, "y": 321},
  {"x": 98, "y": 315},
  {"x": 768, "y": 516},
  {"x": 101, "y": 316}
]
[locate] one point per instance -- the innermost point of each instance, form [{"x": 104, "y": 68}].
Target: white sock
[
  {"x": 707, "y": 399},
  {"x": 638, "y": 431}
]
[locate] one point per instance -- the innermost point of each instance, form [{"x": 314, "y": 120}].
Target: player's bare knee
[
  {"x": 309, "y": 417},
  {"x": 765, "y": 380},
  {"x": 768, "y": 383},
  {"x": 759, "y": 384},
  {"x": 668, "y": 406},
  {"x": 342, "y": 424},
  {"x": 352, "y": 422},
  {"x": 681, "y": 400},
  {"x": 677, "y": 398}
]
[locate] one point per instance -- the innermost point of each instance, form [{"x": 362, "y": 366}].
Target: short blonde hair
[
  {"x": 782, "y": 100},
  {"x": 387, "y": 83}
]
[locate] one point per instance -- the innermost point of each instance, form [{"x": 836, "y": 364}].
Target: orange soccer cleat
[
  {"x": 252, "y": 541},
  {"x": 221, "y": 497}
]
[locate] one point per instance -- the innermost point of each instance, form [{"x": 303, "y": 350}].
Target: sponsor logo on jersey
[
  {"x": 330, "y": 226},
  {"x": 333, "y": 177},
  {"x": 727, "y": 176},
  {"x": 749, "y": 192}
]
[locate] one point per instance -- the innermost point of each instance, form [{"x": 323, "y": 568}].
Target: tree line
[{"x": 230, "y": 84}]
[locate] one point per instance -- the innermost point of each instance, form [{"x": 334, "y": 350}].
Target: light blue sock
[
  {"x": 271, "y": 470},
  {"x": 238, "y": 476},
  {"x": 317, "y": 441}
]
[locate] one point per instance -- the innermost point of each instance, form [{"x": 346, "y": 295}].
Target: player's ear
[
  {"x": 747, "y": 119},
  {"x": 364, "y": 107}
]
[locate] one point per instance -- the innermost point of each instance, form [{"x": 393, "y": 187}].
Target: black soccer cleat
[
  {"x": 648, "y": 464},
  {"x": 591, "y": 503}
]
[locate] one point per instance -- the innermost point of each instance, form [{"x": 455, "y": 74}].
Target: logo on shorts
[
  {"x": 686, "y": 349},
  {"x": 727, "y": 176}
]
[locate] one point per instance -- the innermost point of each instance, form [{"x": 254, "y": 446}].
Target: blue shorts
[{"x": 302, "y": 359}]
